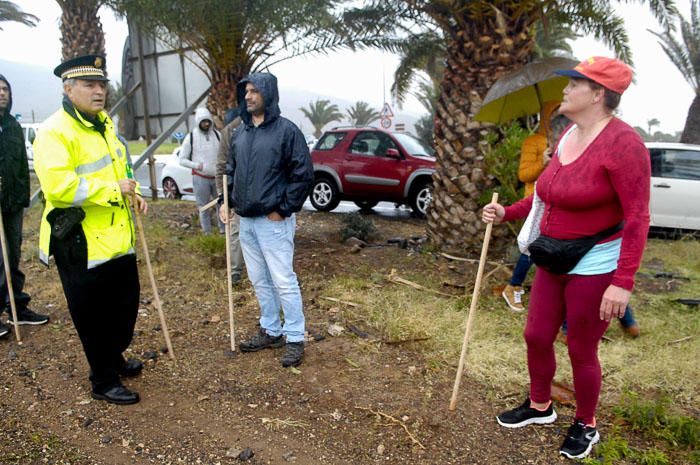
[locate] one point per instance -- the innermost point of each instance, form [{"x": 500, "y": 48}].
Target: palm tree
[
  {"x": 483, "y": 40},
  {"x": 685, "y": 54},
  {"x": 651, "y": 123},
  {"x": 232, "y": 38},
  {"x": 81, "y": 28},
  {"x": 361, "y": 114},
  {"x": 11, "y": 12},
  {"x": 320, "y": 113}
]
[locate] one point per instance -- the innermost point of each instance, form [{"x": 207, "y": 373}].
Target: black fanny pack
[
  {"x": 561, "y": 256},
  {"x": 63, "y": 221}
]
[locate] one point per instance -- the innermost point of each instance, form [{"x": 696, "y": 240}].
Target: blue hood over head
[{"x": 266, "y": 83}]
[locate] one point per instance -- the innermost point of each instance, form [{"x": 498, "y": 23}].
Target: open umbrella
[{"x": 522, "y": 93}]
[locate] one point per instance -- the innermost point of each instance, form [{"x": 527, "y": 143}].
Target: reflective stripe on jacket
[{"x": 79, "y": 167}]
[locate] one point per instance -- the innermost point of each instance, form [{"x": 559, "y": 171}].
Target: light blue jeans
[{"x": 268, "y": 249}]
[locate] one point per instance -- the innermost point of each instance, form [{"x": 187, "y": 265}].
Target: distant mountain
[{"x": 36, "y": 92}]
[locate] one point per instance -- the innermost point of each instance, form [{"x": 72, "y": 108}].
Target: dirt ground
[{"x": 353, "y": 401}]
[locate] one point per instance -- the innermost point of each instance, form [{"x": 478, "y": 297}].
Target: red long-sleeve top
[{"x": 608, "y": 183}]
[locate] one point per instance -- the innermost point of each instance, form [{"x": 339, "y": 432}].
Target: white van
[{"x": 29, "y": 131}]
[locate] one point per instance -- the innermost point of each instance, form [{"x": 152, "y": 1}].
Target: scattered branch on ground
[
  {"x": 278, "y": 423},
  {"x": 333, "y": 299},
  {"x": 396, "y": 421},
  {"x": 399, "y": 280}
]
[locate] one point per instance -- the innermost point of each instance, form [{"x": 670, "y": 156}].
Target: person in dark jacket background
[
  {"x": 14, "y": 197},
  {"x": 270, "y": 175}
]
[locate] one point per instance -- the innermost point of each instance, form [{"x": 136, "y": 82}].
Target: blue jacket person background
[
  {"x": 14, "y": 197},
  {"x": 87, "y": 224},
  {"x": 270, "y": 176}
]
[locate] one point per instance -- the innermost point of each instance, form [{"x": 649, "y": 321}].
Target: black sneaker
[
  {"x": 526, "y": 415},
  {"x": 579, "y": 440},
  {"x": 293, "y": 354},
  {"x": 261, "y": 341},
  {"x": 28, "y": 317},
  {"x": 4, "y": 329}
]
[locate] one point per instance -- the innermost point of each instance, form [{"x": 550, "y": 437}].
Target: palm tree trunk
[
  {"x": 81, "y": 29},
  {"x": 223, "y": 92},
  {"x": 691, "y": 132},
  {"x": 477, "y": 55}
]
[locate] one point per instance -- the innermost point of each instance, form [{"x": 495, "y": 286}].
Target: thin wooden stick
[
  {"x": 10, "y": 289},
  {"x": 159, "y": 307},
  {"x": 228, "y": 265},
  {"x": 207, "y": 206},
  {"x": 472, "y": 308}
]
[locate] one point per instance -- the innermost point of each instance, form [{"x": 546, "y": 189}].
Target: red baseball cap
[{"x": 608, "y": 72}]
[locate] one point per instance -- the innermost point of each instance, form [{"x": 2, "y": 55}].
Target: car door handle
[{"x": 664, "y": 186}]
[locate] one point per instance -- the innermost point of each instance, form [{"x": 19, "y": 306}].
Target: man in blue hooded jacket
[{"x": 270, "y": 175}]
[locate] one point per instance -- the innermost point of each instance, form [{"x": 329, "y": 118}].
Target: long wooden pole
[
  {"x": 472, "y": 308},
  {"x": 228, "y": 265},
  {"x": 6, "y": 263},
  {"x": 156, "y": 297}
]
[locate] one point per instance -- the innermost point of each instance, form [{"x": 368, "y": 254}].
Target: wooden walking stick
[
  {"x": 6, "y": 263},
  {"x": 156, "y": 297},
  {"x": 472, "y": 308},
  {"x": 228, "y": 265}
]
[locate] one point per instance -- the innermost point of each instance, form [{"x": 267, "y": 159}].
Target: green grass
[{"x": 136, "y": 147}]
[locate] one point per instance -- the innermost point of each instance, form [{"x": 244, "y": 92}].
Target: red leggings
[{"x": 576, "y": 298}]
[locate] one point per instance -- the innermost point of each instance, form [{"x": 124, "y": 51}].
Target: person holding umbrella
[
  {"x": 534, "y": 156},
  {"x": 597, "y": 184}
]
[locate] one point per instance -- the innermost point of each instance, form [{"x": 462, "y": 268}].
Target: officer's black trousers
[{"x": 103, "y": 303}]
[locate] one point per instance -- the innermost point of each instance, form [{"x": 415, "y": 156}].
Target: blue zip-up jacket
[{"x": 269, "y": 166}]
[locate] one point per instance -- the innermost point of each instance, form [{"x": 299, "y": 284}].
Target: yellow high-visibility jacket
[{"x": 78, "y": 167}]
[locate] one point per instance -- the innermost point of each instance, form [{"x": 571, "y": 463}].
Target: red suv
[{"x": 369, "y": 165}]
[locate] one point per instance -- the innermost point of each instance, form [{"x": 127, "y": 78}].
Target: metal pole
[{"x": 146, "y": 115}]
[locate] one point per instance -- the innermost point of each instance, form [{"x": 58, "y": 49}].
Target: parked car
[
  {"x": 675, "y": 185},
  {"x": 175, "y": 179},
  {"x": 369, "y": 165},
  {"x": 29, "y": 131}
]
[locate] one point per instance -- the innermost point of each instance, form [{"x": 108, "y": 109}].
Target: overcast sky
[{"x": 659, "y": 91}]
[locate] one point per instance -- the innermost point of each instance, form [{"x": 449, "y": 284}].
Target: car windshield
[{"x": 413, "y": 146}]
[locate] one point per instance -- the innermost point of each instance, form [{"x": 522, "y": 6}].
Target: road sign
[
  {"x": 386, "y": 111},
  {"x": 18, "y": 117},
  {"x": 400, "y": 126},
  {"x": 179, "y": 136},
  {"x": 385, "y": 121}
]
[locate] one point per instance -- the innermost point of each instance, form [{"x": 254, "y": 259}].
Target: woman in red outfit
[{"x": 599, "y": 176}]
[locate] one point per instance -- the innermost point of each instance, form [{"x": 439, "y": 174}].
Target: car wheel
[
  {"x": 421, "y": 198},
  {"x": 170, "y": 189},
  {"x": 366, "y": 205},
  {"x": 324, "y": 195}
]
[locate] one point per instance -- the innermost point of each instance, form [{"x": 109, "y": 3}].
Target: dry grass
[{"x": 496, "y": 354}]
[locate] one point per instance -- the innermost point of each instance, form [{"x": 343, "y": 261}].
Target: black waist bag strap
[{"x": 561, "y": 256}]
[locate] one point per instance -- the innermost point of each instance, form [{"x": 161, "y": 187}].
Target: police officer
[{"x": 87, "y": 225}]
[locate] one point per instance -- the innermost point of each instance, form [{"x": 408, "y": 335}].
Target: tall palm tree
[
  {"x": 685, "y": 54},
  {"x": 232, "y": 38},
  {"x": 11, "y": 12},
  {"x": 320, "y": 113},
  {"x": 361, "y": 114},
  {"x": 652, "y": 123},
  {"x": 81, "y": 28},
  {"x": 484, "y": 40}
]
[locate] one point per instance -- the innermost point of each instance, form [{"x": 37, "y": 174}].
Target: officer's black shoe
[
  {"x": 261, "y": 341},
  {"x": 28, "y": 317},
  {"x": 117, "y": 395},
  {"x": 131, "y": 368},
  {"x": 293, "y": 354},
  {"x": 4, "y": 329}
]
